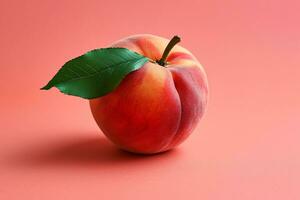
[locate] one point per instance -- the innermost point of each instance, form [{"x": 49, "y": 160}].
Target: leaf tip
[{"x": 46, "y": 87}]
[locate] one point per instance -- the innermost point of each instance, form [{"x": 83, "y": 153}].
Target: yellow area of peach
[
  {"x": 153, "y": 82},
  {"x": 182, "y": 62}
]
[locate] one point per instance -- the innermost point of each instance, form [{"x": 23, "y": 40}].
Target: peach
[{"x": 155, "y": 108}]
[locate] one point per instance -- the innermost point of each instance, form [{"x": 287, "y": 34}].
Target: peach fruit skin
[{"x": 154, "y": 108}]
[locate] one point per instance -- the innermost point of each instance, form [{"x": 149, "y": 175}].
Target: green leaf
[{"x": 96, "y": 73}]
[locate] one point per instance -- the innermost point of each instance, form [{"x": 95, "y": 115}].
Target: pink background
[{"x": 246, "y": 147}]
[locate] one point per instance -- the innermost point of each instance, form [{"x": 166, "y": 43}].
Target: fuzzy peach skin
[{"x": 154, "y": 108}]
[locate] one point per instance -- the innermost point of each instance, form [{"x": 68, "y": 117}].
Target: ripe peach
[{"x": 156, "y": 107}]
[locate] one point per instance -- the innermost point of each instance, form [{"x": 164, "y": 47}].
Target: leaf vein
[{"x": 102, "y": 70}]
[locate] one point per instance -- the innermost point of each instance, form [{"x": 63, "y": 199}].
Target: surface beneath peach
[
  {"x": 89, "y": 151},
  {"x": 245, "y": 148}
]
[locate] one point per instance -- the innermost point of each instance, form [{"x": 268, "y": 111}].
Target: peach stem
[{"x": 167, "y": 50}]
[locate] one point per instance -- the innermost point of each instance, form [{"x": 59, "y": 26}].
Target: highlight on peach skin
[{"x": 146, "y": 93}]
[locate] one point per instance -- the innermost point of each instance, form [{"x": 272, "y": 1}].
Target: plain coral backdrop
[{"x": 246, "y": 147}]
